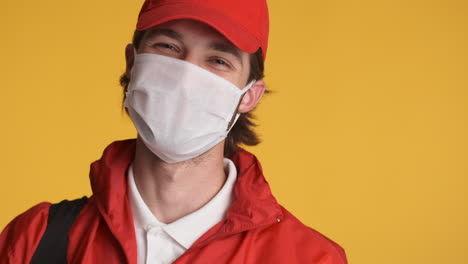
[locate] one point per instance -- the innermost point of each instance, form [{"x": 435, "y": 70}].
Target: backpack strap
[{"x": 54, "y": 243}]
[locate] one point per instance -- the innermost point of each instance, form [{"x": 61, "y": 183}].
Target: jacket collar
[
  {"x": 185, "y": 230},
  {"x": 253, "y": 205}
]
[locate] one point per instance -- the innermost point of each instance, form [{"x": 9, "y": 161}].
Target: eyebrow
[
  {"x": 227, "y": 48},
  {"x": 165, "y": 32}
]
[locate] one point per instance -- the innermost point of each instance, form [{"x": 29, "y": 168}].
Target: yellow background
[{"x": 365, "y": 137}]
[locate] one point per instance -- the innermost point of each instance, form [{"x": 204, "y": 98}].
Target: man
[{"x": 182, "y": 192}]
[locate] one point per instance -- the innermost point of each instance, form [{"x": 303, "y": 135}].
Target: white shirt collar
[{"x": 189, "y": 228}]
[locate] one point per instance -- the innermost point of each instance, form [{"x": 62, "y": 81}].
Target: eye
[
  {"x": 219, "y": 62},
  {"x": 166, "y": 46}
]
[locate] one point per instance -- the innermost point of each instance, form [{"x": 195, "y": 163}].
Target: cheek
[
  {"x": 244, "y": 78},
  {"x": 245, "y": 71},
  {"x": 239, "y": 79},
  {"x": 146, "y": 49}
]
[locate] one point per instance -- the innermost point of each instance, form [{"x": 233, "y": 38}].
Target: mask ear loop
[
  {"x": 242, "y": 92},
  {"x": 233, "y": 123}
]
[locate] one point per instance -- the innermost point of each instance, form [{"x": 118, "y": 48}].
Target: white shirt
[{"x": 160, "y": 243}]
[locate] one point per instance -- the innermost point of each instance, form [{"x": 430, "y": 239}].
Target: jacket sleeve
[{"x": 22, "y": 235}]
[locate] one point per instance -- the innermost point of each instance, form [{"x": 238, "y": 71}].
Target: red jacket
[{"x": 256, "y": 229}]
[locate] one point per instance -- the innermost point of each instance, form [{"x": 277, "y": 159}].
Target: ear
[
  {"x": 252, "y": 97},
  {"x": 129, "y": 58}
]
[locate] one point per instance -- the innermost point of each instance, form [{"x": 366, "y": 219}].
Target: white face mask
[{"x": 179, "y": 109}]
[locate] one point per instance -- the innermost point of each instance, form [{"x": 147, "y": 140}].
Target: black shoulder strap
[{"x": 54, "y": 243}]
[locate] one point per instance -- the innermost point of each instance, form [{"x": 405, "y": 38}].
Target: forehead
[{"x": 190, "y": 26}]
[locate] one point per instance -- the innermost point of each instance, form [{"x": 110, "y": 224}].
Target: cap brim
[{"x": 234, "y": 32}]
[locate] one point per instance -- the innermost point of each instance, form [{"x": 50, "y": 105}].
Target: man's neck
[{"x": 172, "y": 191}]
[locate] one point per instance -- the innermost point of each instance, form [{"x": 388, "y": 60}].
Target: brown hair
[{"x": 243, "y": 130}]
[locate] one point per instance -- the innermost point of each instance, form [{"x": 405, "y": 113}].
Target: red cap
[{"x": 243, "y": 22}]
